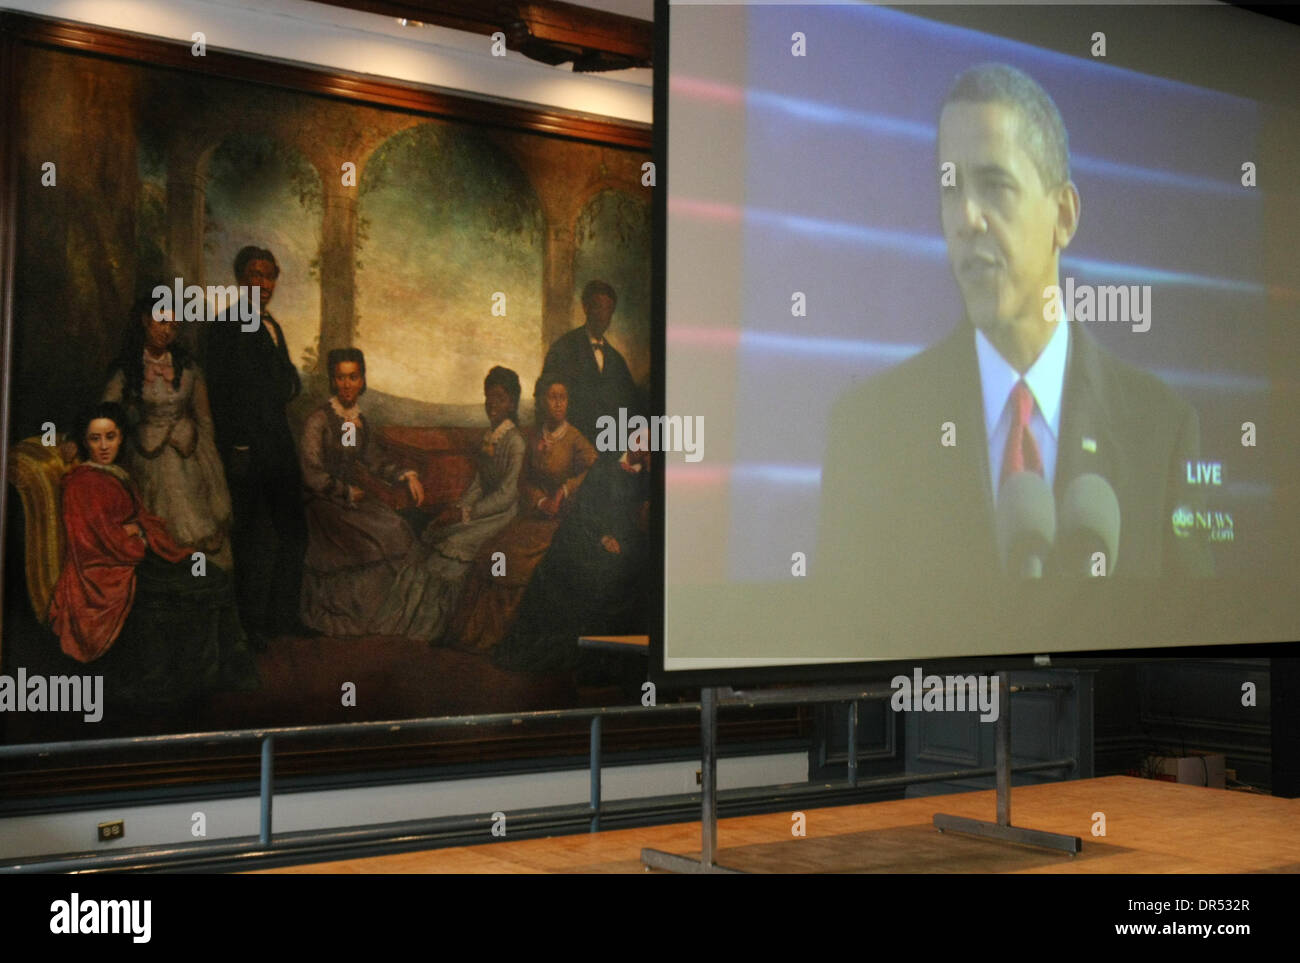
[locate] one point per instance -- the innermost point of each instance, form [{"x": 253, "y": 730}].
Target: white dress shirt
[{"x": 1046, "y": 381}]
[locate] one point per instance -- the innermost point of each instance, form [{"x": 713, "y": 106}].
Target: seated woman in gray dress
[
  {"x": 430, "y": 582},
  {"x": 355, "y": 541}
]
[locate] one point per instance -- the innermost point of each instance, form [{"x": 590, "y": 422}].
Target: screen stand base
[
  {"x": 657, "y": 859},
  {"x": 1002, "y": 829}
]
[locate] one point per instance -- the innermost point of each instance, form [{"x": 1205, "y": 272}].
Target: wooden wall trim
[{"x": 329, "y": 82}]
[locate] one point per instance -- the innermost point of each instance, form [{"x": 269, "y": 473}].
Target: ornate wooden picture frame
[{"x": 416, "y": 243}]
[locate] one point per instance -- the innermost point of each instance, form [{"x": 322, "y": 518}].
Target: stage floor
[{"x": 1151, "y": 827}]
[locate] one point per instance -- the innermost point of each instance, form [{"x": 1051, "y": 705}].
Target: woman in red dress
[{"x": 127, "y": 585}]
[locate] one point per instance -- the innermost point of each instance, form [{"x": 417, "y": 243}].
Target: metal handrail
[
  {"x": 267, "y": 736},
  {"x": 330, "y": 729}
]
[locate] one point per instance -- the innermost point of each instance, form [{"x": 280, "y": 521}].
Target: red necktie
[{"x": 1021, "y": 453}]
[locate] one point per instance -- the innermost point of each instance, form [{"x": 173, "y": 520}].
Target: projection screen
[{"x": 987, "y": 321}]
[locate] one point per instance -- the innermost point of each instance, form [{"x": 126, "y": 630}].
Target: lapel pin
[{"x": 1089, "y": 445}]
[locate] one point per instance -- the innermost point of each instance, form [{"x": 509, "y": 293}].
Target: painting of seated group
[{"x": 303, "y": 403}]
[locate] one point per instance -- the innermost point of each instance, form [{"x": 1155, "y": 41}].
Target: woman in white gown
[{"x": 172, "y": 455}]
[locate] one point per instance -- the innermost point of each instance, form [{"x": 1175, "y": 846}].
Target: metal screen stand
[
  {"x": 1002, "y": 829},
  {"x": 658, "y": 859}
]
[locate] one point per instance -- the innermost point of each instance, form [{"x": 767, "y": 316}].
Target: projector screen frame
[{"x": 823, "y": 671}]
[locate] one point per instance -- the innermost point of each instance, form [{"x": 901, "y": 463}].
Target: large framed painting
[{"x": 303, "y": 376}]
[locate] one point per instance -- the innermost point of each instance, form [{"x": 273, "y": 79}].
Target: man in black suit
[
  {"x": 917, "y": 455},
  {"x": 593, "y": 370},
  {"x": 251, "y": 379}
]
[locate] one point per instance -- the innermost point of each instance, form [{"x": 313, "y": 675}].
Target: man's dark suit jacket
[
  {"x": 592, "y": 392},
  {"x": 250, "y": 380},
  {"x": 905, "y": 517}
]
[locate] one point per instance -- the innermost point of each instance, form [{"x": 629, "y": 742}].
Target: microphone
[
  {"x": 1026, "y": 523},
  {"x": 1089, "y": 524}
]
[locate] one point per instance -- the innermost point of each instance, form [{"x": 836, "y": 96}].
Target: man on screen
[{"x": 914, "y": 487}]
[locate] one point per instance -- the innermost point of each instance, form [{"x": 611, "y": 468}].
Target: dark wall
[{"x": 1141, "y": 708}]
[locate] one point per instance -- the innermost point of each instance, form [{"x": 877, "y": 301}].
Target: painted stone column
[
  {"x": 338, "y": 278},
  {"x": 187, "y": 185},
  {"x": 557, "y": 282}
]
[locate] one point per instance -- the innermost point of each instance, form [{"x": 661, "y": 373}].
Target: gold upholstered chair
[{"x": 36, "y": 471}]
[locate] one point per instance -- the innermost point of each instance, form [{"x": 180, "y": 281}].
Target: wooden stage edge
[{"x": 1151, "y": 827}]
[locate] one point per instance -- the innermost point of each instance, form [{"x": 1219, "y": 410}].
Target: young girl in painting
[
  {"x": 128, "y": 598},
  {"x": 557, "y": 462},
  {"x": 430, "y": 582},
  {"x": 355, "y": 542},
  {"x": 172, "y": 455}
]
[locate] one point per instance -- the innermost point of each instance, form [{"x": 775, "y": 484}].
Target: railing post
[
  {"x": 268, "y": 778},
  {"x": 1002, "y": 749},
  {"x": 853, "y": 743},
  {"x": 595, "y": 773},
  {"x": 708, "y": 774}
]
